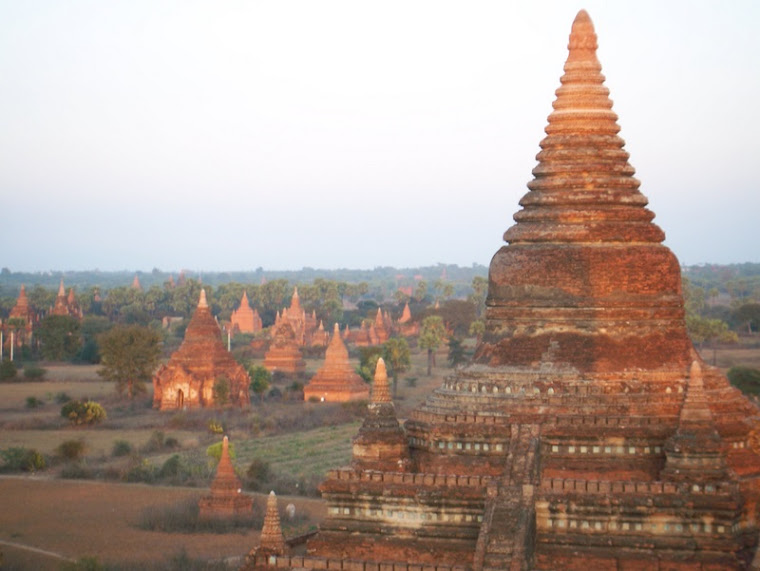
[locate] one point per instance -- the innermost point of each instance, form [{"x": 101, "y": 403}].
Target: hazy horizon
[{"x": 294, "y": 134}]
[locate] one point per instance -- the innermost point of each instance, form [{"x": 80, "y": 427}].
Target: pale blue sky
[{"x": 235, "y": 134}]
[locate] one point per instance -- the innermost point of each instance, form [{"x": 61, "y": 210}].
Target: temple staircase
[{"x": 506, "y": 534}]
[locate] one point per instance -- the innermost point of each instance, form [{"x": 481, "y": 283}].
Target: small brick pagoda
[
  {"x": 20, "y": 323},
  {"x": 66, "y": 304},
  {"x": 226, "y": 499},
  {"x": 587, "y": 434},
  {"x": 272, "y": 541},
  {"x": 336, "y": 381},
  {"x": 188, "y": 379},
  {"x": 245, "y": 319},
  {"x": 289, "y": 334}
]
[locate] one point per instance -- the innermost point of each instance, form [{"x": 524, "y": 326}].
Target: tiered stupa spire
[
  {"x": 336, "y": 381},
  {"x": 694, "y": 452},
  {"x": 381, "y": 443},
  {"x": 585, "y": 242},
  {"x": 226, "y": 498},
  {"x": 272, "y": 541}
]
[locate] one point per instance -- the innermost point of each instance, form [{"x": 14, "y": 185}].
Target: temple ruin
[
  {"x": 245, "y": 319},
  {"x": 336, "y": 381},
  {"x": 188, "y": 380},
  {"x": 226, "y": 499}
]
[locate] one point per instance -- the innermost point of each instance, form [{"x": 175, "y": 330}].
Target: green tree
[
  {"x": 746, "y": 379},
  {"x": 432, "y": 334},
  {"x": 456, "y": 352},
  {"x": 748, "y": 315},
  {"x": 368, "y": 357},
  {"x": 709, "y": 331},
  {"x": 83, "y": 412},
  {"x": 397, "y": 358},
  {"x": 129, "y": 355},
  {"x": 421, "y": 291},
  {"x": 479, "y": 293},
  {"x": 260, "y": 380},
  {"x": 477, "y": 328},
  {"x": 59, "y": 336},
  {"x": 221, "y": 391}
]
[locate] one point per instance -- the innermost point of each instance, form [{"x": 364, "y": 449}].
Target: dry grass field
[
  {"x": 73, "y": 519},
  {"x": 45, "y": 520}
]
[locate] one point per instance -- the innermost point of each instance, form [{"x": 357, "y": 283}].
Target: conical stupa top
[
  {"x": 244, "y": 300},
  {"x": 70, "y": 298},
  {"x": 61, "y": 289},
  {"x": 295, "y": 301},
  {"x": 321, "y": 326},
  {"x": 336, "y": 351},
  {"x": 380, "y": 390},
  {"x": 136, "y": 283},
  {"x": 406, "y": 315},
  {"x": 584, "y": 189},
  {"x": 202, "y": 301},
  {"x": 225, "y": 463},
  {"x": 272, "y": 539},
  {"x": 379, "y": 317}
]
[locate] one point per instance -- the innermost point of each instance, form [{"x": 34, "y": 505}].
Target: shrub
[
  {"x": 121, "y": 448},
  {"x": 19, "y": 459},
  {"x": 215, "y": 427},
  {"x": 33, "y": 372},
  {"x": 62, "y": 398},
  {"x": 83, "y": 412},
  {"x": 746, "y": 379},
  {"x": 184, "y": 518},
  {"x": 411, "y": 382},
  {"x": 140, "y": 470},
  {"x": 71, "y": 450},
  {"x": 258, "y": 474},
  {"x": 76, "y": 471},
  {"x": 155, "y": 443},
  {"x": 172, "y": 467},
  {"x": 7, "y": 370},
  {"x": 221, "y": 391},
  {"x": 33, "y": 402}
]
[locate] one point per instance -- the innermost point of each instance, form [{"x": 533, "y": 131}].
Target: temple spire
[
  {"x": 584, "y": 189},
  {"x": 61, "y": 289},
  {"x": 380, "y": 391},
  {"x": 202, "y": 301},
  {"x": 272, "y": 540}
]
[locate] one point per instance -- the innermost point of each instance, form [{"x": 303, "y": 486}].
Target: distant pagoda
[{"x": 202, "y": 361}]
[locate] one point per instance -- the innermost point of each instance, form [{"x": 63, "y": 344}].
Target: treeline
[{"x": 384, "y": 280}]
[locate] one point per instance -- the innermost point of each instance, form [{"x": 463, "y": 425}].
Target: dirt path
[{"x": 71, "y": 519}]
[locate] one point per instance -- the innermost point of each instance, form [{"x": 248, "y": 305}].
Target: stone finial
[
  {"x": 202, "y": 301},
  {"x": 61, "y": 289},
  {"x": 272, "y": 540},
  {"x": 244, "y": 300},
  {"x": 380, "y": 390}
]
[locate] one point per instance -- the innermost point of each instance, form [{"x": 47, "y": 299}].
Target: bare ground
[{"x": 83, "y": 518}]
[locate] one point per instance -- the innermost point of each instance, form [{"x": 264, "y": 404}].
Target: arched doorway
[{"x": 180, "y": 399}]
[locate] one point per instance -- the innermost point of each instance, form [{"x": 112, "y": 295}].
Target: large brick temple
[{"x": 586, "y": 434}]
